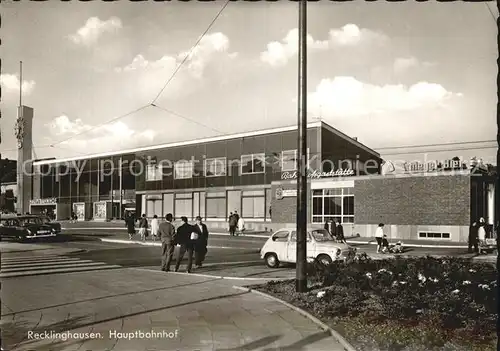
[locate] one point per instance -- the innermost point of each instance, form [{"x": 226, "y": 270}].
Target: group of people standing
[
  {"x": 336, "y": 229},
  {"x": 236, "y": 223},
  {"x": 190, "y": 238}
]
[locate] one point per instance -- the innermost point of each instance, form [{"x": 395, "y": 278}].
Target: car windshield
[{"x": 322, "y": 235}]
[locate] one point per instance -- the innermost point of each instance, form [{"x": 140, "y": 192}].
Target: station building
[{"x": 254, "y": 173}]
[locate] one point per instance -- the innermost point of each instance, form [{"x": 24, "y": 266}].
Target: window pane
[
  {"x": 258, "y": 163},
  {"x": 202, "y": 205},
  {"x": 246, "y": 164},
  {"x": 183, "y": 169},
  {"x": 446, "y": 235},
  {"x": 247, "y": 210},
  {"x": 349, "y": 205},
  {"x": 216, "y": 208},
  {"x": 233, "y": 201},
  {"x": 318, "y": 192},
  {"x": 348, "y": 191},
  {"x": 331, "y": 192},
  {"x": 168, "y": 204},
  {"x": 289, "y": 160},
  {"x": 347, "y": 219},
  {"x": 317, "y": 206},
  {"x": 333, "y": 206},
  {"x": 184, "y": 196},
  {"x": 254, "y": 193},
  {"x": 259, "y": 207},
  {"x": 217, "y": 194},
  {"x": 183, "y": 207},
  {"x": 220, "y": 166},
  {"x": 196, "y": 204},
  {"x": 317, "y": 219}
]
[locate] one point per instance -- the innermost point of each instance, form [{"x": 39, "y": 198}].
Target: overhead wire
[
  {"x": 100, "y": 125},
  {"x": 152, "y": 104},
  {"x": 187, "y": 119},
  {"x": 191, "y": 51}
]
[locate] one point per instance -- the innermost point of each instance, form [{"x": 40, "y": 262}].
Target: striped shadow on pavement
[{"x": 47, "y": 264}]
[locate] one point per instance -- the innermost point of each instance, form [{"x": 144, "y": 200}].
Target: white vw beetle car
[{"x": 281, "y": 247}]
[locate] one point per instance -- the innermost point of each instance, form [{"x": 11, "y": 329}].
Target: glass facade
[
  {"x": 333, "y": 204},
  {"x": 220, "y": 177}
]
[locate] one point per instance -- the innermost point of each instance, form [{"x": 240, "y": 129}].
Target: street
[{"x": 227, "y": 256}]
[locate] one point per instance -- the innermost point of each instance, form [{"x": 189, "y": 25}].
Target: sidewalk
[
  {"x": 411, "y": 243},
  {"x": 172, "y": 311}
]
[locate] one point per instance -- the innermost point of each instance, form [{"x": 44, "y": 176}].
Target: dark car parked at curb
[
  {"x": 24, "y": 227},
  {"x": 47, "y": 221}
]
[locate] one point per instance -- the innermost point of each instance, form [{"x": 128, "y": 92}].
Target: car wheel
[
  {"x": 272, "y": 260},
  {"x": 21, "y": 239},
  {"x": 325, "y": 259}
]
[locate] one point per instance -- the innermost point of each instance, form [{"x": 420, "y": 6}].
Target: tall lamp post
[{"x": 301, "y": 275}]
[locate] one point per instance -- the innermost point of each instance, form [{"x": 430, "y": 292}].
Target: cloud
[
  {"x": 10, "y": 82},
  {"x": 196, "y": 62},
  {"x": 278, "y": 53},
  {"x": 402, "y": 64},
  {"x": 94, "y": 28},
  {"x": 346, "y": 96},
  {"x": 106, "y": 137}
]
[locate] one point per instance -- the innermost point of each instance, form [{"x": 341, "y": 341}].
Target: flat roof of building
[{"x": 211, "y": 139}]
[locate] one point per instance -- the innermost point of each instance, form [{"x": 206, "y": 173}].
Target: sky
[{"x": 390, "y": 74}]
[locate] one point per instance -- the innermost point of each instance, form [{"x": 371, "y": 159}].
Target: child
[{"x": 155, "y": 226}]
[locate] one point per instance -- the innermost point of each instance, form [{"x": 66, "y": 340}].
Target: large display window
[{"x": 333, "y": 204}]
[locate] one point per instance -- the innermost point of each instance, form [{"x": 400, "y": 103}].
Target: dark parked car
[
  {"x": 46, "y": 220},
  {"x": 24, "y": 227}
]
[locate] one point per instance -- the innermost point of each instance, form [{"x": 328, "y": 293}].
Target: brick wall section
[
  {"x": 285, "y": 210},
  {"x": 433, "y": 200}
]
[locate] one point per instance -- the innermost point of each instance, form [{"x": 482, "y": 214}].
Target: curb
[
  {"x": 371, "y": 242},
  {"x": 153, "y": 243},
  {"x": 212, "y": 276},
  {"x": 345, "y": 344}
]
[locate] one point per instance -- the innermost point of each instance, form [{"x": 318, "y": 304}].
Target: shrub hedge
[{"x": 404, "y": 303}]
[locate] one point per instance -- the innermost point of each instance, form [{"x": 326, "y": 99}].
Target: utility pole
[{"x": 301, "y": 275}]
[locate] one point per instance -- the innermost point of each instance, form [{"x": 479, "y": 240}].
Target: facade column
[{"x": 491, "y": 203}]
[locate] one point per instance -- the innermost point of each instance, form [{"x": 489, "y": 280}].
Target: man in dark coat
[
  {"x": 167, "y": 235},
  {"x": 186, "y": 244},
  {"x": 233, "y": 222},
  {"x": 130, "y": 224},
  {"x": 200, "y": 250},
  {"x": 473, "y": 237},
  {"x": 339, "y": 231}
]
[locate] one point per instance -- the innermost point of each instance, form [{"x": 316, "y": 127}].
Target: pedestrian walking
[
  {"x": 130, "y": 224},
  {"x": 241, "y": 225},
  {"x": 339, "y": 232},
  {"x": 233, "y": 223},
  {"x": 473, "y": 238},
  {"x": 379, "y": 235},
  {"x": 155, "y": 227},
  {"x": 200, "y": 250},
  {"x": 237, "y": 216},
  {"x": 186, "y": 239},
  {"x": 168, "y": 240},
  {"x": 143, "y": 227}
]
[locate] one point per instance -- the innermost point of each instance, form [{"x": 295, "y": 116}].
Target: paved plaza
[{"x": 172, "y": 311}]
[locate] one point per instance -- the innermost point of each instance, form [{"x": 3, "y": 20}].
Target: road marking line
[
  {"x": 75, "y": 265},
  {"x": 41, "y": 264},
  {"x": 35, "y": 260},
  {"x": 50, "y": 271}
]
